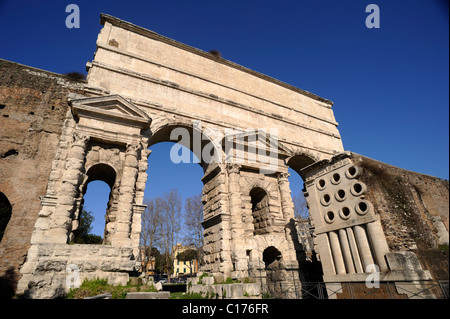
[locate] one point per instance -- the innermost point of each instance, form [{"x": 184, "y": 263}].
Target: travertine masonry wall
[
  {"x": 159, "y": 72},
  {"x": 33, "y": 109},
  {"x": 140, "y": 86}
]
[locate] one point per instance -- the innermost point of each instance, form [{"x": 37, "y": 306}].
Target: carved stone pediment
[
  {"x": 110, "y": 118},
  {"x": 111, "y": 108}
]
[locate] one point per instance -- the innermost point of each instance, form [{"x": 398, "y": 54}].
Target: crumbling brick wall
[
  {"x": 414, "y": 211},
  {"x": 33, "y": 106}
]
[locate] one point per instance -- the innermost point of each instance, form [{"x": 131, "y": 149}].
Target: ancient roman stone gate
[{"x": 141, "y": 87}]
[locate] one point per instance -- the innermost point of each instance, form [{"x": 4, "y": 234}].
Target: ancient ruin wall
[
  {"x": 414, "y": 212},
  {"x": 33, "y": 107}
]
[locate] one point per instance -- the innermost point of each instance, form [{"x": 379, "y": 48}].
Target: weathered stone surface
[
  {"x": 225, "y": 291},
  {"x": 158, "y": 286},
  {"x": 368, "y": 213},
  {"x": 32, "y": 114},
  {"x": 67, "y": 134},
  {"x": 148, "y": 295}
]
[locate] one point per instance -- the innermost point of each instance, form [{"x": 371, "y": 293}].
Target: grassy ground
[
  {"x": 183, "y": 295},
  {"x": 95, "y": 287}
]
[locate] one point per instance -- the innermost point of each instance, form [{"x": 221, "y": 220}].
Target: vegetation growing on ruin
[{"x": 93, "y": 287}]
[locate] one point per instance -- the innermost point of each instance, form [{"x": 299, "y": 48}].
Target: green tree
[
  {"x": 83, "y": 233},
  {"x": 164, "y": 264}
]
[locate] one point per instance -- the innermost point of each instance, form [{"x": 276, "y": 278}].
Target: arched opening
[
  {"x": 296, "y": 164},
  {"x": 102, "y": 172},
  {"x": 310, "y": 269},
  {"x": 260, "y": 211},
  {"x": 94, "y": 214},
  {"x": 299, "y": 162},
  {"x": 5, "y": 213},
  {"x": 301, "y": 213},
  {"x": 270, "y": 254},
  {"x": 190, "y": 144},
  {"x": 275, "y": 272},
  {"x": 173, "y": 195}
]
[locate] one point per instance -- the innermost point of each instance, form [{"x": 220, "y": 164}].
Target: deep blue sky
[{"x": 389, "y": 85}]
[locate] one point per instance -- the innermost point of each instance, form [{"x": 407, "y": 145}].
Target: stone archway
[
  {"x": 275, "y": 271},
  {"x": 125, "y": 107},
  {"x": 107, "y": 174}
]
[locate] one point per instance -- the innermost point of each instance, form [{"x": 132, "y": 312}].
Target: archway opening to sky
[
  {"x": 96, "y": 201},
  {"x": 163, "y": 176},
  {"x": 296, "y": 164},
  {"x": 171, "y": 223}
]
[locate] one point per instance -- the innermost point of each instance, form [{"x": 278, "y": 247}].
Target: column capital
[
  {"x": 80, "y": 139},
  {"x": 233, "y": 168},
  {"x": 283, "y": 177},
  {"x": 132, "y": 148}
]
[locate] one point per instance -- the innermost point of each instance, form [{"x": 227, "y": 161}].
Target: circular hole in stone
[
  {"x": 322, "y": 183},
  {"x": 345, "y": 211},
  {"x": 330, "y": 215},
  {"x": 336, "y": 178},
  {"x": 357, "y": 188},
  {"x": 352, "y": 171},
  {"x": 341, "y": 194},
  {"x": 362, "y": 206},
  {"x": 326, "y": 199}
]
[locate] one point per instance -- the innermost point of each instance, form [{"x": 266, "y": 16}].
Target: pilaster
[{"x": 123, "y": 221}]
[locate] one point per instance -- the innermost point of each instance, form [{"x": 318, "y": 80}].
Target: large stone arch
[
  {"x": 131, "y": 82},
  {"x": 300, "y": 159},
  {"x": 126, "y": 107},
  {"x": 166, "y": 129}
]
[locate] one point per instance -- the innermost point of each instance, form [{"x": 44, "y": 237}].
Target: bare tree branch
[{"x": 193, "y": 208}]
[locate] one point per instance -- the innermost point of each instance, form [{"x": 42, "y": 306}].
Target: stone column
[
  {"x": 61, "y": 219},
  {"x": 136, "y": 227},
  {"x": 287, "y": 208},
  {"x": 122, "y": 230},
  {"x": 363, "y": 245},
  {"x": 142, "y": 171},
  {"x": 354, "y": 250},
  {"x": 379, "y": 244},
  {"x": 346, "y": 251},
  {"x": 285, "y": 193},
  {"x": 336, "y": 252},
  {"x": 217, "y": 222},
  {"x": 238, "y": 254},
  {"x": 322, "y": 246}
]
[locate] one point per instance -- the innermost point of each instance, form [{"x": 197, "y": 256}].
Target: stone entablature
[{"x": 165, "y": 75}]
